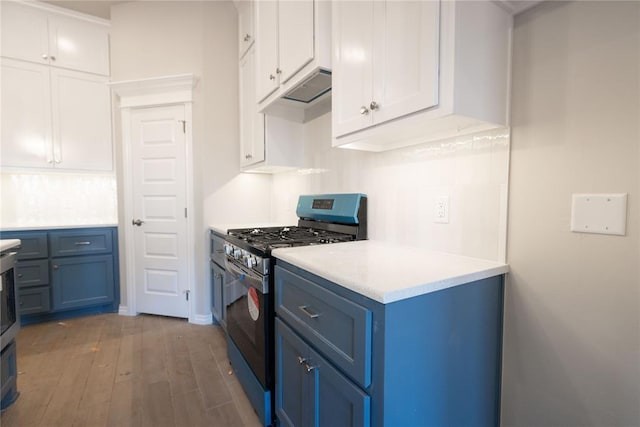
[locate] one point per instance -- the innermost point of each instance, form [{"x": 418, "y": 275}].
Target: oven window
[{"x": 8, "y": 300}]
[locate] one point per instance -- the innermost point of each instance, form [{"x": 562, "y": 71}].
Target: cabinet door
[
  {"x": 246, "y": 31},
  {"x": 24, "y": 33},
  {"x": 82, "y": 121},
  {"x": 217, "y": 286},
  {"x": 338, "y": 402},
  {"x": 34, "y": 300},
  {"x": 78, "y": 45},
  {"x": 295, "y": 36},
  {"x": 26, "y": 115},
  {"x": 266, "y": 48},
  {"x": 405, "y": 57},
  {"x": 352, "y": 66},
  {"x": 252, "y": 149},
  {"x": 82, "y": 281},
  {"x": 293, "y": 399}
]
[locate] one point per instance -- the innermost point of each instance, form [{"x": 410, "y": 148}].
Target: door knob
[
  {"x": 374, "y": 105},
  {"x": 137, "y": 222}
]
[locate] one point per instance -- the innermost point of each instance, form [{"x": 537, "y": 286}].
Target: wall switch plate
[
  {"x": 599, "y": 213},
  {"x": 441, "y": 210}
]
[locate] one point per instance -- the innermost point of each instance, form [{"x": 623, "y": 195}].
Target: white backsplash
[
  {"x": 402, "y": 186},
  {"x": 56, "y": 199}
]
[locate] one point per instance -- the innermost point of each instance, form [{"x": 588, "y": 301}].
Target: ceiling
[{"x": 100, "y": 8}]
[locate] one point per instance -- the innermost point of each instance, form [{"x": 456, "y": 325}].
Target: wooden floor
[{"x": 111, "y": 370}]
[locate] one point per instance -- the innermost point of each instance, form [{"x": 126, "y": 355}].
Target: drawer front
[
  {"x": 32, "y": 245},
  {"x": 35, "y": 300},
  {"x": 337, "y": 327},
  {"x": 32, "y": 273},
  {"x": 65, "y": 243},
  {"x": 217, "y": 248}
]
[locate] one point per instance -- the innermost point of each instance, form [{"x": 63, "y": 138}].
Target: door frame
[{"x": 148, "y": 93}]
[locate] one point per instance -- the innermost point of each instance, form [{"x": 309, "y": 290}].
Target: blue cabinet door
[
  {"x": 82, "y": 281},
  {"x": 336, "y": 400},
  {"x": 217, "y": 286},
  {"x": 293, "y": 394}
]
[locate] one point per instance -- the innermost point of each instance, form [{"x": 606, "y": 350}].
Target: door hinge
[
  {"x": 186, "y": 294},
  {"x": 184, "y": 125},
  {"x": 185, "y": 212}
]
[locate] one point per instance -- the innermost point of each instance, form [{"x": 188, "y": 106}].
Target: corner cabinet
[
  {"x": 412, "y": 72},
  {"x": 344, "y": 359},
  {"x": 55, "y": 99},
  {"x": 66, "y": 273}
]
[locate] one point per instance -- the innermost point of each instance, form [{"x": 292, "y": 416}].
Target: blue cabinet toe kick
[{"x": 259, "y": 397}]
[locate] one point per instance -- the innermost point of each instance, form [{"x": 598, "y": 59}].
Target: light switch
[{"x": 599, "y": 213}]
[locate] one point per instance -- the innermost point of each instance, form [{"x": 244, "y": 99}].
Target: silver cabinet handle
[
  {"x": 301, "y": 360},
  {"x": 374, "y": 105},
  {"x": 82, "y": 243},
  {"x": 278, "y": 70},
  {"x": 45, "y": 56},
  {"x": 305, "y": 310},
  {"x": 55, "y": 266},
  {"x": 137, "y": 222},
  {"x": 272, "y": 77},
  {"x": 20, "y": 275},
  {"x": 218, "y": 276},
  {"x": 248, "y": 156},
  {"x": 53, "y": 58},
  {"x": 308, "y": 367},
  {"x": 246, "y": 37},
  {"x": 364, "y": 110}
]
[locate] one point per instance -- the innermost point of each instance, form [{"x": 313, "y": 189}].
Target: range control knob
[
  {"x": 250, "y": 261},
  {"x": 237, "y": 253}
]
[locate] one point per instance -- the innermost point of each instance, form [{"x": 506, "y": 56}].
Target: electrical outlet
[{"x": 441, "y": 210}]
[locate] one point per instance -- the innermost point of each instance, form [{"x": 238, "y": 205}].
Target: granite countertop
[
  {"x": 223, "y": 228},
  {"x": 55, "y": 227},
  {"x": 387, "y": 272},
  {"x": 6, "y": 244}
]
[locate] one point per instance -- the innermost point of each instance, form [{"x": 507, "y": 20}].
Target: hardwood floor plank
[
  {"x": 211, "y": 384},
  {"x": 157, "y": 406},
  {"x": 225, "y": 415},
  {"x": 62, "y": 406},
  {"x": 125, "y": 409},
  {"x": 189, "y": 410},
  {"x": 129, "y": 364},
  {"x": 92, "y": 416}
]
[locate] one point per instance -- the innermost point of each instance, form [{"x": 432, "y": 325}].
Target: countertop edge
[{"x": 56, "y": 227}]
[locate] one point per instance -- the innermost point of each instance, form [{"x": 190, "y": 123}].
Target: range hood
[{"x": 312, "y": 88}]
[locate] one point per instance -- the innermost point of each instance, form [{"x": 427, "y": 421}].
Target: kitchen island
[{"x": 373, "y": 334}]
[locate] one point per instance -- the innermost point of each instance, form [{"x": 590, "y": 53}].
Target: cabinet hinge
[{"x": 184, "y": 125}]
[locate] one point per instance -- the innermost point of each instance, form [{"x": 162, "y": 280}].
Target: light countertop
[
  {"x": 387, "y": 272},
  {"x": 223, "y": 228},
  {"x": 54, "y": 227},
  {"x": 6, "y": 244}
]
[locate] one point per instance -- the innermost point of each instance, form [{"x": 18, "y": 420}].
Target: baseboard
[
  {"x": 123, "y": 310},
  {"x": 201, "y": 319}
]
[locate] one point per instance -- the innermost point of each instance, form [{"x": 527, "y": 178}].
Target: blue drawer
[
  {"x": 32, "y": 245},
  {"x": 80, "y": 242},
  {"x": 337, "y": 327},
  {"x": 32, "y": 272}
]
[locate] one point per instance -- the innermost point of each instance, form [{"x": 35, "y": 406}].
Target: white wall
[
  {"x": 159, "y": 38},
  {"x": 572, "y": 325},
  {"x": 403, "y": 184}
]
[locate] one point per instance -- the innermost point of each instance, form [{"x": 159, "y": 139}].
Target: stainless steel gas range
[{"x": 323, "y": 219}]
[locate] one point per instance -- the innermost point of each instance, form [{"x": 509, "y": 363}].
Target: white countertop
[
  {"x": 223, "y": 228},
  {"x": 55, "y": 227},
  {"x": 6, "y": 244},
  {"x": 387, "y": 272}
]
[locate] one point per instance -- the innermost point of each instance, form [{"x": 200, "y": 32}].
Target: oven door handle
[{"x": 253, "y": 280}]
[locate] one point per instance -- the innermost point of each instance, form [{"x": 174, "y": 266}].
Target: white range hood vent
[{"x": 312, "y": 88}]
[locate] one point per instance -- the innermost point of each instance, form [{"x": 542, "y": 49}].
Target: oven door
[
  {"x": 248, "y": 313},
  {"x": 8, "y": 300}
]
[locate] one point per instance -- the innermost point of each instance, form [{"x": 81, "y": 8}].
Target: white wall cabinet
[
  {"x": 267, "y": 144},
  {"x": 54, "y": 118},
  {"x": 411, "y": 72},
  {"x": 246, "y": 27},
  {"x": 44, "y": 37},
  {"x": 293, "y": 40}
]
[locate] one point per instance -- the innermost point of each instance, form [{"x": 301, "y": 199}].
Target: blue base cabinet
[
  {"x": 66, "y": 273},
  {"x": 216, "y": 265},
  {"x": 344, "y": 359}
]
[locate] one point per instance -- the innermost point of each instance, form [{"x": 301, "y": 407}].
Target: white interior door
[{"x": 159, "y": 188}]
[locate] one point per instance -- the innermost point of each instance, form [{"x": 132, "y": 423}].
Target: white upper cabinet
[
  {"x": 251, "y": 122},
  {"x": 54, "y": 118},
  {"x": 27, "y": 138},
  {"x": 246, "y": 28},
  {"x": 293, "y": 42},
  {"x": 406, "y": 72},
  {"x": 44, "y": 37}
]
